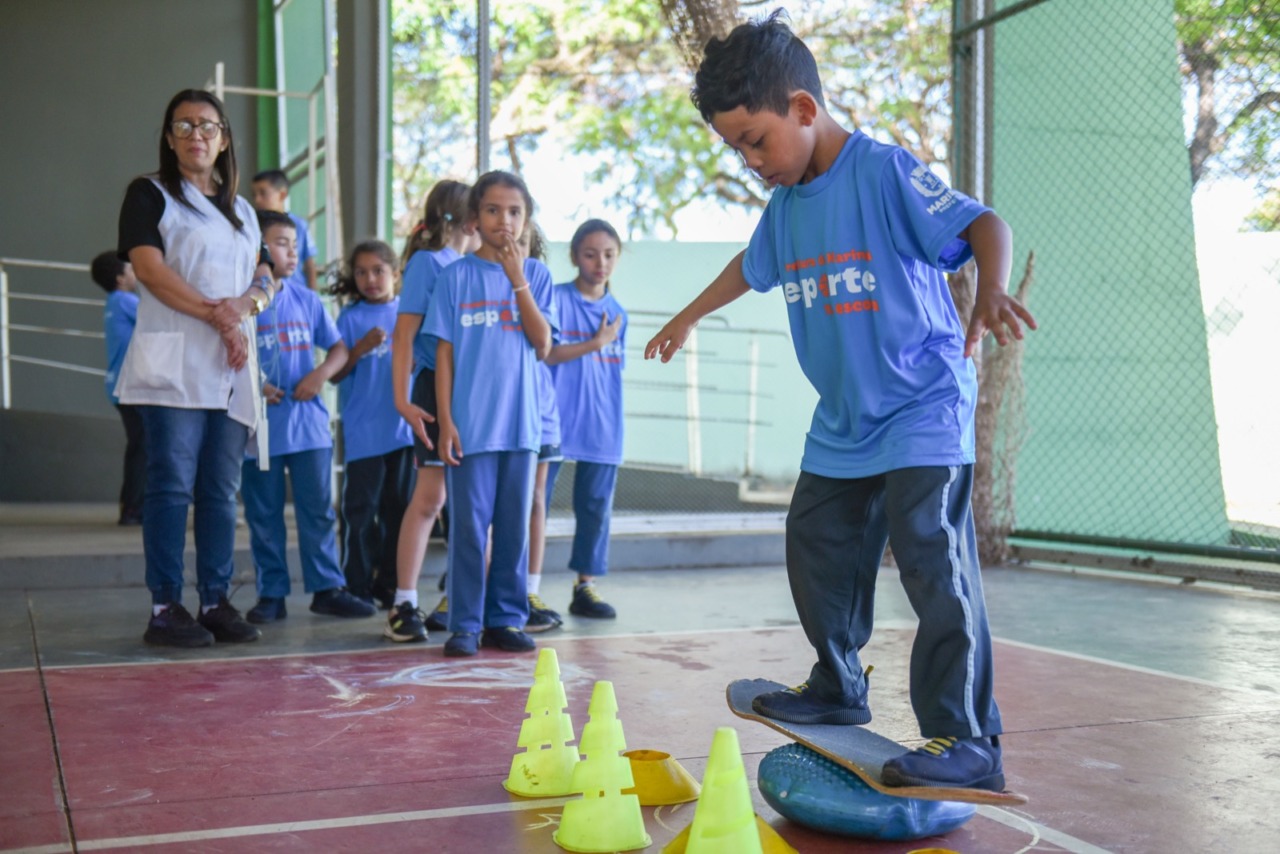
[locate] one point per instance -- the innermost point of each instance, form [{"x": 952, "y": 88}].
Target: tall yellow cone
[
  {"x": 545, "y": 768},
  {"x": 724, "y": 819},
  {"x": 604, "y": 819}
]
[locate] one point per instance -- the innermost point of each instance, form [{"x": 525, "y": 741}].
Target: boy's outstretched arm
[
  {"x": 726, "y": 288},
  {"x": 994, "y": 310}
]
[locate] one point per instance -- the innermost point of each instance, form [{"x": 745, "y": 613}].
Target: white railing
[{"x": 7, "y": 356}]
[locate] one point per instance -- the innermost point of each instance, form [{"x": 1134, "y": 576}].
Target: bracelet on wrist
[{"x": 523, "y": 287}]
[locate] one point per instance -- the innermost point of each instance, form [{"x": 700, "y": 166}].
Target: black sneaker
[
  {"x": 507, "y": 639},
  {"x": 268, "y": 610},
  {"x": 174, "y": 626},
  {"x": 339, "y": 602},
  {"x": 461, "y": 644},
  {"x": 226, "y": 624},
  {"x": 965, "y": 763},
  {"x": 800, "y": 705},
  {"x": 541, "y": 618},
  {"x": 438, "y": 620},
  {"x": 404, "y": 624},
  {"x": 587, "y": 603}
]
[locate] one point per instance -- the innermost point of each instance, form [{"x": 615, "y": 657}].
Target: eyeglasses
[{"x": 206, "y": 129}]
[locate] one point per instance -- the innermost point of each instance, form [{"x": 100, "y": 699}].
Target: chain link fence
[{"x": 1133, "y": 148}]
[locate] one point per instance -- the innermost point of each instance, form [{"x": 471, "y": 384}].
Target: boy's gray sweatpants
[{"x": 836, "y": 534}]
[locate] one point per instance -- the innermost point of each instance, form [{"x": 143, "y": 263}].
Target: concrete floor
[{"x": 1140, "y": 713}]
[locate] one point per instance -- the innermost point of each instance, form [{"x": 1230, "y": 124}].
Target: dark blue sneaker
[
  {"x": 226, "y": 625},
  {"x": 438, "y": 620},
  {"x": 268, "y": 610},
  {"x": 339, "y": 602},
  {"x": 461, "y": 644},
  {"x": 507, "y": 639},
  {"x": 587, "y": 603},
  {"x": 541, "y": 618},
  {"x": 404, "y": 624},
  {"x": 964, "y": 763},
  {"x": 800, "y": 705},
  {"x": 174, "y": 626}
]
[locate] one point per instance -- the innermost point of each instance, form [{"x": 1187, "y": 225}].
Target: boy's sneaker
[
  {"x": 174, "y": 626},
  {"x": 965, "y": 763},
  {"x": 800, "y": 705},
  {"x": 226, "y": 625},
  {"x": 541, "y": 618},
  {"x": 461, "y": 644},
  {"x": 587, "y": 603},
  {"x": 507, "y": 639},
  {"x": 405, "y": 624},
  {"x": 438, "y": 620},
  {"x": 268, "y": 610},
  {"x": 339, "y": 602}
]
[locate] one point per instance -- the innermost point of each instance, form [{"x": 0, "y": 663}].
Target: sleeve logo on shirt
[{"x": 931, "y": 186}]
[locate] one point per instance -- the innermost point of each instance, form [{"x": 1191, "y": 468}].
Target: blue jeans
[
  {"x": 593, "y": 486},
  {"x": 310, "y": 474},
  {"x": 193, "y": 456}
]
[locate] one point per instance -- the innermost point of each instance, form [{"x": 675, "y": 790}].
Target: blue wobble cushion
[{"x": 808, "y": 788}]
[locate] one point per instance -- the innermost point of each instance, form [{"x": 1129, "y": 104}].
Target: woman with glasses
[{"x": 197, "y": 252}]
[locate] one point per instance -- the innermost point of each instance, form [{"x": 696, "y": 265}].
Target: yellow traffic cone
[
  {"x": 604, "y": 820},
  {"x": 545, "y": 768},
  {"x": 724, "y": 819}
]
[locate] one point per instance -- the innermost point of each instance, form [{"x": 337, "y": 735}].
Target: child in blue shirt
[
  {"x": 442, "y": 237},
  {"x": 493, "y": 324},
  {"x": 856, "y": 235},
  {"x": 588, "y": 364},
  {"x": 377, "y": 444},
  {"x": 271, "y": 193},
  {"x": 300, "y": 442},
  {"x": 119, "y": 316}
]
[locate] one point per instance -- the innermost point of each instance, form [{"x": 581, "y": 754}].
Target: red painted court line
[{"x": 229, "y": 744}]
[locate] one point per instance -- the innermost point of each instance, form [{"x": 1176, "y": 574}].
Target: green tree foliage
[{"x": 1231, "y": 68}]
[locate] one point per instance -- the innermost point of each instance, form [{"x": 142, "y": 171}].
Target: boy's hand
[
  {"x": 418, "y": 419},
  {"x": 608, "y": 331},
  {"x": 370, "y": 341},
  {"x": 272, "y": 394},
  {"x": 308, "y": 387},
  {"x": 997, "y": 313},
  {"x": 669, "y": 340},
  {"x": 237, "y": 348},
  {"x": 450, "y": 444}
]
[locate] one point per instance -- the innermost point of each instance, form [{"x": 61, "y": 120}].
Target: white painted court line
[
  {"x": 1039, "y": 832},
  {"x": 293, "y": 827}
]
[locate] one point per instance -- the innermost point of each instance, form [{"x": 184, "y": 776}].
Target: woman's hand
[
  {"x": 226, "y": 314},
  {"x": 237, "y": 348}
]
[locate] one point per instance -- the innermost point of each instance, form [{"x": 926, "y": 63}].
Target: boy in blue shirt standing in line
[
  {"x": 270, "y": 193},
  {"x": 289, "y": 330},
  {"x": 119, "y": 317},
  {"x": 857, "y": 234}
]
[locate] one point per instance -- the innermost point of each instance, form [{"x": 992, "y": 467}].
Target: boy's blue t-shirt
[
  {"x": 119, "y": 316},
  {"x": 289, "y": 330},
  {"x": 306, "y": 251},
  {"x": 859, "y": 253},
  {"x": 589, "y": 389},
  {"x": 495, "y": 400},
  {"x": 371, "y": 426},
  {"x": 417, "y": 285}
]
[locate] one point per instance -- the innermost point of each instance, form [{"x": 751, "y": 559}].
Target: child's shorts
[
  {"x": 423, "y": 396},
  {"x": 550, "y": 454}
]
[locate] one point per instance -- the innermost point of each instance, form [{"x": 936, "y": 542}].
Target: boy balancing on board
[{"x": 857, "y": 234}]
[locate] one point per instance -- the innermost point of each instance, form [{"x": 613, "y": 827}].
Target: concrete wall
[{"x": 83, "y": 87}]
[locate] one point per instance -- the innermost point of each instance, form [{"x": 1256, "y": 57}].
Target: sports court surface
[{"x": 1140, "y": 715}]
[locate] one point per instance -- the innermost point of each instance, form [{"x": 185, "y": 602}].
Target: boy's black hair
[
  {"x": 757, "y": 66},
  {"x": 266, "y": 219},
  {"x": 274, "y": 177},
  {"x": 105, "y": 268}
]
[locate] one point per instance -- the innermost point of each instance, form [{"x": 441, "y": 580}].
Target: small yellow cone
[
  {"x": 660, "y": 779},
  {"x": 604, "y": 819},
  {"x": 770, "y": 841},
  {"x": 724, "y": 819},
  {"x": 545, "y": 768}
]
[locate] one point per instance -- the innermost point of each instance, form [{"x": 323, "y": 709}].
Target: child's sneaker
[
  {"x": 174, "y": 626},
  {"x": 541, "y": 618},
  {"x": 507, "y": 639},
  {"x": 339, "y": 602},
  {"x": 438, "y": 620},
  {"x": 587, "y": 603},
  {"x": 800, "y": 705},
  {"x": 226, "y": 625},
  {"x": 404, "y": 624},
  {"x": 268, "y": 610},
  {"x": 965, "y": 763},
  {"x": 461, "y": 644}
]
